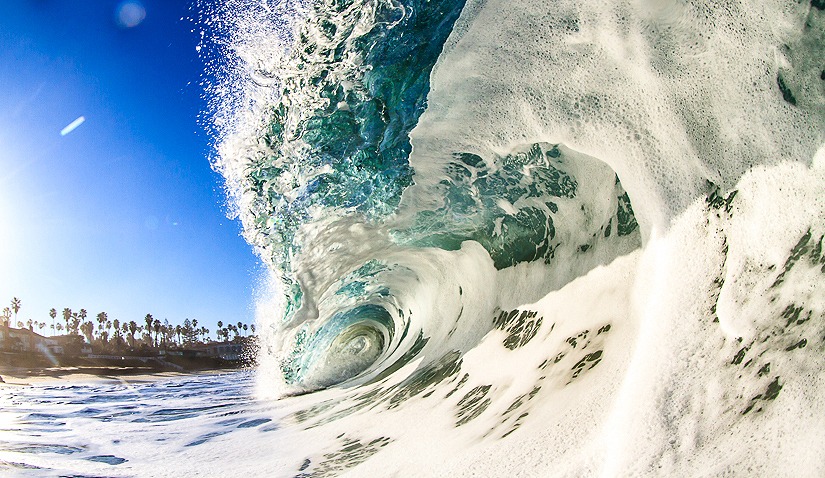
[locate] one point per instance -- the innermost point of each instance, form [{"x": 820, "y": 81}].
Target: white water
[
  {"x": 701, "y": 374},
  {"x": 670, "y": 94}
]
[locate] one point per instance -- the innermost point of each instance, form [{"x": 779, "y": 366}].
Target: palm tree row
[
  {"x": 152, "y": 332},
  {"x": 224, "y": 331}
]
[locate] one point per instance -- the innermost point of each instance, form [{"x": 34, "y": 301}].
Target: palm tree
[
  {"x": 101, "y": 321},
  {"x": 59, "y": 327},
  {"x": 167, "y": 332},
  {"x": 164, "y": 333},
  {"x": 245, "y": 327},
  {"x": 252, "y": 327},
  {"x": 88, "y": 329},
  {"x": 156, "y": 328},
  {"x": 75, "y": 323},
  {"x": 52, "y": 314},
  {"x": 41, "y": 325},
  {"x": 29, "y": 324},
  {"x": 81, "y": 317},
  {"x": 15, "y": 306},
  {"x": 132, "y": 329},
  {"x": 116, "y": 324},
  {"x": 67, "y": 316}
]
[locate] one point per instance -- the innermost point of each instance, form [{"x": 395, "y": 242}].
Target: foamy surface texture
[{"x": 516, "y": 238}]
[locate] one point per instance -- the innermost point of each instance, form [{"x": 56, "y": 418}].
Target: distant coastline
[
  {"x": 25, "y": 368},
  {"x": 26, "y": 356},
  {"x": 117, "y": 350}
]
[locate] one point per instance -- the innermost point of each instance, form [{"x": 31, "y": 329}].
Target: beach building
[
  {"x": 72, "y": 345},
  {"x": 25, "y": 340},
  {"x": 224, "y": 350}
]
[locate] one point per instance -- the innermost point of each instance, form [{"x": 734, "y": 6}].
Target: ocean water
[
  {"x": 116, "y": 428},
  {"x": 508, "y": 238}
]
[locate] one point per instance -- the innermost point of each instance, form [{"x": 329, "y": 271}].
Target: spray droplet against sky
[{"x": 129, "y": 14}]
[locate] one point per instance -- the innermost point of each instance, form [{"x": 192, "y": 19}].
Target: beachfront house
[
  {"x": 224, "y": 350},
  {"x": 25, "y": 340}
]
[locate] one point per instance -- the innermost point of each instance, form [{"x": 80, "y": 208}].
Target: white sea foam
[
  {"x": 672, "y": 96},
  {"x": 665, "y": 389},
  {"x": 669, "y": 94},
  {"x": 713, "y": 369}
]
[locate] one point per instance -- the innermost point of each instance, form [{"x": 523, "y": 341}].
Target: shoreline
[{"x": 22, "y": 377}]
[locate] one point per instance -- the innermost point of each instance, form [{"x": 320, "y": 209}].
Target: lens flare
[
  {"x": 72, "y": 126},
  {"x": 129, "y": 14}
]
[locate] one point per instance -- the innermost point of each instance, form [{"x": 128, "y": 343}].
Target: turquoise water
[{"x": 332, "y": 150}]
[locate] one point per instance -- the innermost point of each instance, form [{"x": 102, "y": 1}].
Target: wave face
[
  {"x": 324, "y": 193},
  {"x": 502, "y": 210}
]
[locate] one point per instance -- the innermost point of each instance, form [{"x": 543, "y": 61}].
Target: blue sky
[{"x": 123, "y": 214}]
